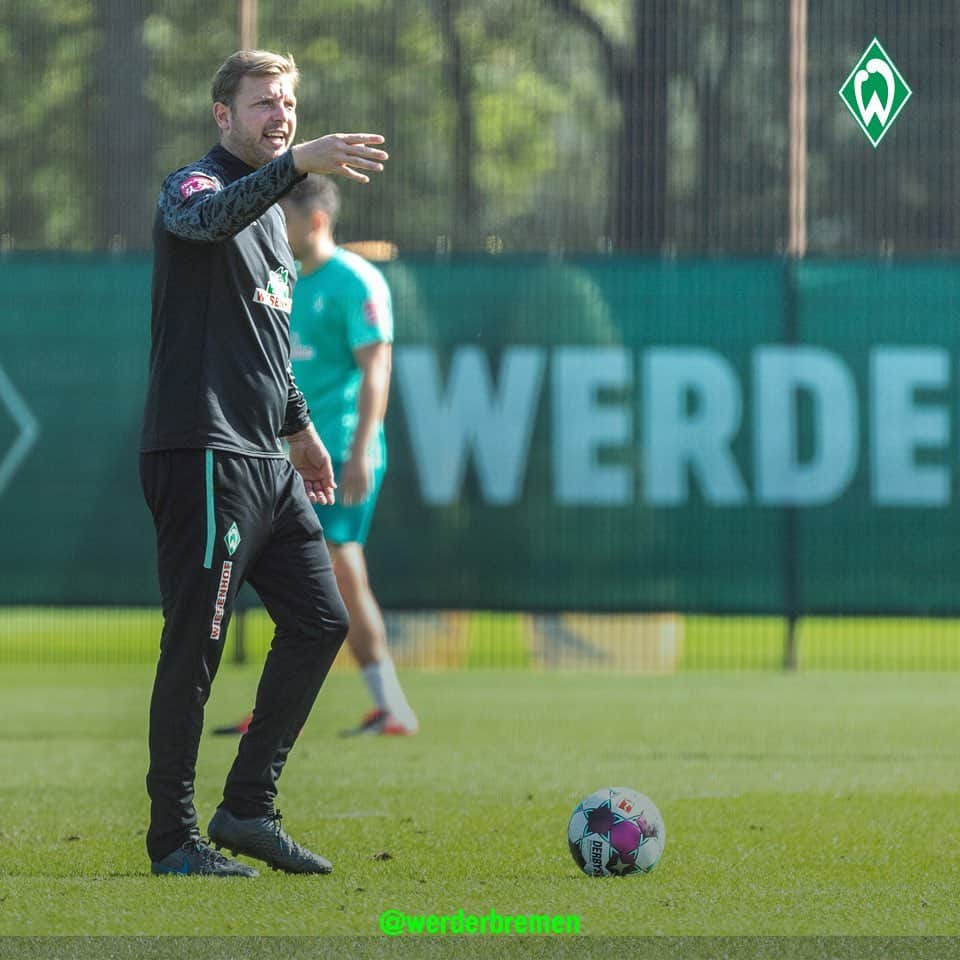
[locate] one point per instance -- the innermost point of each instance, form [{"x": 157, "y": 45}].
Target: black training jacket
[{"x": 223, "y": 277}]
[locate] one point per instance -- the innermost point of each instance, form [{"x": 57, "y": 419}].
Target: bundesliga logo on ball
[{"x": 616, "y": 832}]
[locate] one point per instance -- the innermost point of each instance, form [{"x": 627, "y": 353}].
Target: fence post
[
  {"x": 247, "y": 23},
  {"x": 791, "y": 531},
  {"x": 796, "y": 248}
]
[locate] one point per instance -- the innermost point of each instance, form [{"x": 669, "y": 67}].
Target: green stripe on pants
[{"x": 211, "y": 520}]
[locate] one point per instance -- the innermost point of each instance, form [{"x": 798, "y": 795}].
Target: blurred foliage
[
  {"x": 513, "y": 125},
  {"x": 47, "y": 46}
]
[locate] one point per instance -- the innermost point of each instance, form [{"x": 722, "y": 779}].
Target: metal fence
[
  {"x": 654, "y": 125},
  {"x": 625, "y": 462},
  {"x": 620, "y": 132}
]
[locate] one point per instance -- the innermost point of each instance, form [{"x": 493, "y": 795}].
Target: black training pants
[{"x": 222, "y": 519}]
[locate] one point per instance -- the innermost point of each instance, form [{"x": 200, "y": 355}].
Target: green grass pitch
[{"x": 818, "y": 804}]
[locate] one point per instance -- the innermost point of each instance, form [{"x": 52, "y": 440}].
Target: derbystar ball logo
[
  {"x": 596, "y": 853},
  {"x": 277, "y": 293},
  {"x": 221, "y": 604}
]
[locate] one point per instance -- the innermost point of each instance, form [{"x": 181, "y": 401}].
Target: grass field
[{"x": 820, "y": 804}]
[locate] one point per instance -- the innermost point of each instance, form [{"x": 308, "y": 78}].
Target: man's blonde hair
[{"x": 254, "y": 63}]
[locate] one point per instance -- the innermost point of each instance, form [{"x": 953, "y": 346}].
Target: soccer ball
[{"x": 616, "y": 832}]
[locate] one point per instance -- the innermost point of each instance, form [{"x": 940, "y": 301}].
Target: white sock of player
[
  {"x": 373, "y": 677},
  {"x": 384, "y": 687}
]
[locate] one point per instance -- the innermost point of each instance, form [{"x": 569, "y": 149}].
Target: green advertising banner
[{"x": 602, "y": 433}]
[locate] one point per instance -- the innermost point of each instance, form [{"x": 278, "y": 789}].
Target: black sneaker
[
  {"x": 197, "y": 858},
  {"x": 264, "y": 839}
]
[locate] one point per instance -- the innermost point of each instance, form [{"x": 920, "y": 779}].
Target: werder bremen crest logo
[
  {"x": 232, "y": 539},
  {"x": 277, "y": 293},
  {"x": 875, "y": 92}
]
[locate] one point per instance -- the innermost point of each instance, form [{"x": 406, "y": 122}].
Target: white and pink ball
[{"x": 616, "y": 832}]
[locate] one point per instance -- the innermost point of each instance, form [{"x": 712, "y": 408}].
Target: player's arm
[
  {"x": 196, "y": 206},
  {"x": 340, "y": 153},
  {"x": 312, "y": 461},
  {"x": 296, "y": 417},
  {"x": 374, "y": 361},
  {"x": 307, "y": 452}
]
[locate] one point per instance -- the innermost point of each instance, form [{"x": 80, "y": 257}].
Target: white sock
[
  {"x": 373, "y": 677},
  {"x": 384, "y": 687}
]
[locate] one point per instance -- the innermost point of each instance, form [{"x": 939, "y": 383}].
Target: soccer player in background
[
  {"x": 342, "y": 329},
  {"x": 227, "y": 503}
]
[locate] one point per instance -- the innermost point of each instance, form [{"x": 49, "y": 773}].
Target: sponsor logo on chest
[{"x": 277, "y": 292}]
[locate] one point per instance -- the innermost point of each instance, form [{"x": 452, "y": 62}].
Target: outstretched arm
[
  {"x": 196, "y": 206},
  {"x": 340, "y": 153}
]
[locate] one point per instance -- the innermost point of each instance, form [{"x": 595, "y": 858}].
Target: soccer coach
[{"x": 227, "y": 504}]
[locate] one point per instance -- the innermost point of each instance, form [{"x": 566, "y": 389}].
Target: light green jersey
[{"x": 341, "y": 306}]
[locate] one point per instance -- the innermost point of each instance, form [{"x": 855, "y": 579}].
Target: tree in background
[
  {"x": 514, "y": 125},
  {"x": 47, "y": 155},
  {"x": 125, "y": 127},
  {"x": 637, "y": 62}
]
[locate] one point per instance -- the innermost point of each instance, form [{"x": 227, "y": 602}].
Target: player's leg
[
  {"x": 294, "y": 578},
  {"x": 346, "y": 529},
  {"x": 192, "y": 495},
  {"x": 367, "y": 640}
]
